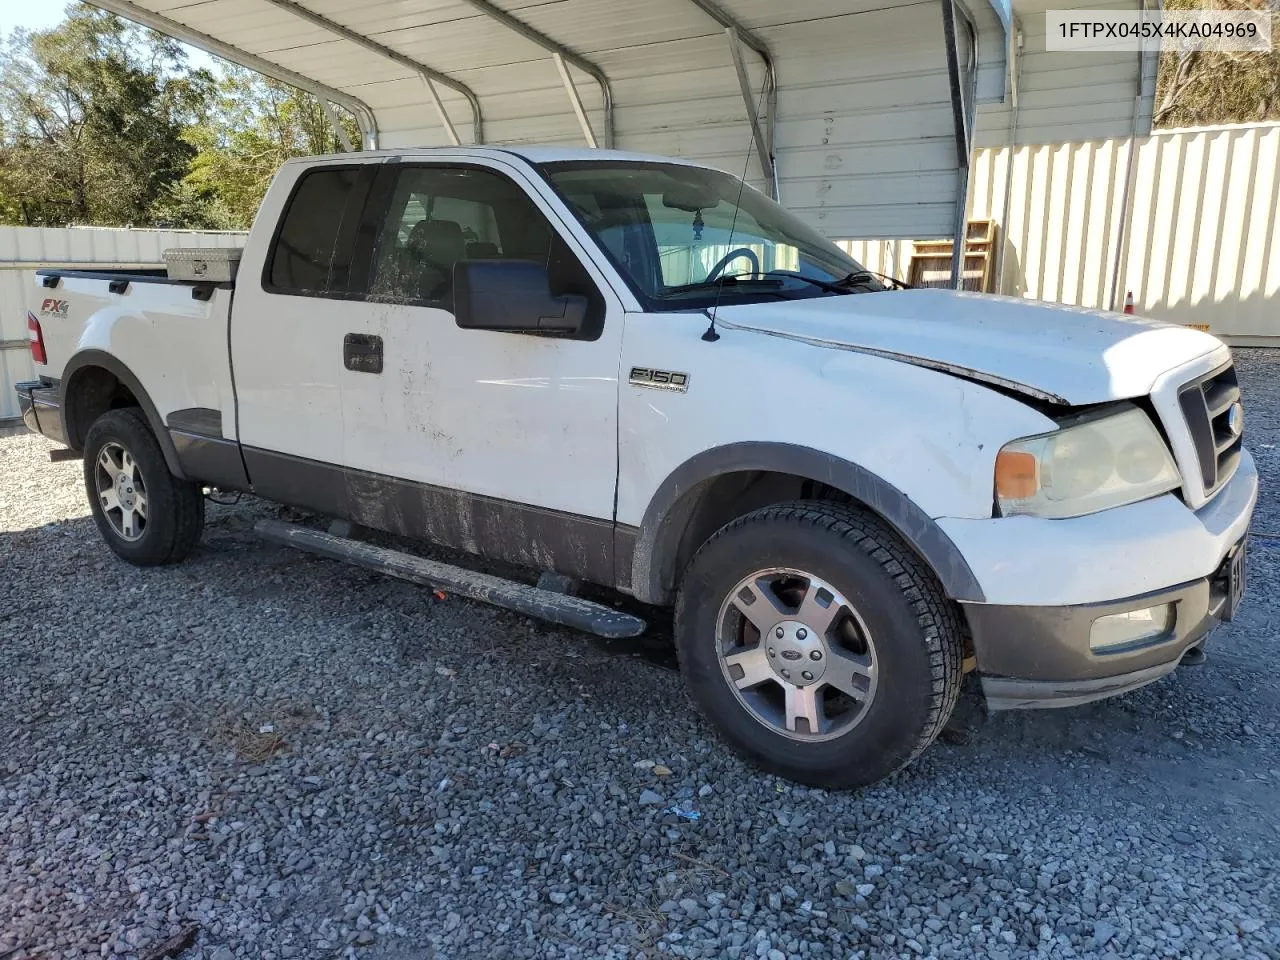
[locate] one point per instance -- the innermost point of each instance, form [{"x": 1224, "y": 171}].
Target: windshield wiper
[
  {"x": 861, "y": 277},
  {"x": 771, "y": 277},
  {"x": 767, "y": 284}
]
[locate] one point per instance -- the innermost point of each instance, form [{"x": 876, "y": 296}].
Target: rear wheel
[
  {"x": 818, "y": 643},
  {"x": 144, "y": 513}
]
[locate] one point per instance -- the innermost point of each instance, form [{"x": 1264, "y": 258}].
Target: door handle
[{"x": 362, "y": 352}]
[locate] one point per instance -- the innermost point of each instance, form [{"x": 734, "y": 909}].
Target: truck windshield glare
[{"x": 684, "y": 236}]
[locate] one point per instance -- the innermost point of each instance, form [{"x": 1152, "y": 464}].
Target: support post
[
  {"x": 744, "y": 84},
  {"x": 334, "y": 122},
  {"x": 713, "y": 9},
  {"x": 575, "y": 100},
  {"x": 960, "y": 119},
  {"x": 555, "y": 48},
  {"x": 1126, "y": 198},
  {"x": 449, "y": 129},
  {"x": 421, "y": 69},
  {"x": 1014, "y": 62}
]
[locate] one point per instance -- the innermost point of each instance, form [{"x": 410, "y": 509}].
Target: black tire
[
  {"x": 917, "y": 635},
  {"x": 174, "y": 508}
]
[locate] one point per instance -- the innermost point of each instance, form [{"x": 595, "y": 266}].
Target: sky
[
  {"x": 32, "y": 14},
  {"x": 42, "y": 14}
]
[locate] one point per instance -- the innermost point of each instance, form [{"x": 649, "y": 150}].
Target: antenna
[{"x": 711, "y": 336}]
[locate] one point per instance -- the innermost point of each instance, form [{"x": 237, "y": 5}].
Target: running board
[{"x": 531, "y": 601}]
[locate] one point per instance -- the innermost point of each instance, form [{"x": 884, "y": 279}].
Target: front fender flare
[{"x": 657, "y": 543}]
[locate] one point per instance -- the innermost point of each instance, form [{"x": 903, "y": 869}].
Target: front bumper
[
  {"x": 1041, "y": 656},
  {"x": 1122, "y": 552},
  {"x": 38, "y": 402},
  {"x": 1047, "y": 581}
]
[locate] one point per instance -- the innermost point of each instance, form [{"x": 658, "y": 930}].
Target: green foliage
[
  {"x": 1206, "y": 88},
  {"x": 102, "y": 122},
  {"x": 91, "y": 120},
  {"x": 255, "y": 125}
]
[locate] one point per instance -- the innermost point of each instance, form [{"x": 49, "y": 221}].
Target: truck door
[
  {"x": 503, "y": 444},
  {"x": 298, "y": 285}
]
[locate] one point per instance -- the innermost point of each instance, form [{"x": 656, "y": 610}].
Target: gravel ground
[{"x": 293, "y": 758}]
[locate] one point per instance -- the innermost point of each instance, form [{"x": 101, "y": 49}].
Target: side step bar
[{"x": 558, "y": 608}]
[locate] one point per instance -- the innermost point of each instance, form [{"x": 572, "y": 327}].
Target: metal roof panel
[{"x": 865, "y": 138}]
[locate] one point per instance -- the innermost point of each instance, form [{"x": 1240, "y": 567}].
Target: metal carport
[{"x": 857, "y": 114}]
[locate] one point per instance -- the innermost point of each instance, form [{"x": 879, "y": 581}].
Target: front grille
[{"x": 1207, "y": 404}]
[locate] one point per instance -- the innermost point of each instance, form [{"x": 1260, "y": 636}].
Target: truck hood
[{"x": 1065, "y": 355}]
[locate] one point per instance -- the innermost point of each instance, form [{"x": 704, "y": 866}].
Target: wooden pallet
[{"x": 930, "y": 264}]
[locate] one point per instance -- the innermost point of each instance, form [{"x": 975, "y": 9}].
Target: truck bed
[
  {"x": 143, "y": 275},
  {"x": 143, "y": 327}
]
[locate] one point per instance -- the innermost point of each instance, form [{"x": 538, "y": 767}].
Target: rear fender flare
[{"x": 87, "y": 359}]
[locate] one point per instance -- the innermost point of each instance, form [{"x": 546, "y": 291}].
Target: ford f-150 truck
[{"x": 636, "y": 372}]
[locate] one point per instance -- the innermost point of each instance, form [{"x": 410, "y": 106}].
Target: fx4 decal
[
  {"x": 659, "y": 379},
  {"x": 54, "y": 308}
]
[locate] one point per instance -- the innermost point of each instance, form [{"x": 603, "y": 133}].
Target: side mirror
[{"x": 512, "y": 295}]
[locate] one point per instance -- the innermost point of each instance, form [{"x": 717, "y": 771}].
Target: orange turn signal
[{"x": 1016, "y": 475}]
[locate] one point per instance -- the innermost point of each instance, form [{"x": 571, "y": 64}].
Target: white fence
[
  {"x": 1201, "y": 244},
  {"x": 24, "y": 250}
]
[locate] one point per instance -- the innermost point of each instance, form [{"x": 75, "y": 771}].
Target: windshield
[{"x": 684, "y": 237}]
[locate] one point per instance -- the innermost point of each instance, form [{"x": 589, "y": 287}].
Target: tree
[
  {"x": 256, "y": 124},
  {"x": 92, "y": 116},
  {"x": 1201, "y": 88},
  {"x": 103, "y": 122}
]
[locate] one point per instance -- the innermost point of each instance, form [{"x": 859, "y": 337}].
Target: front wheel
[
  {"x": 818, "y": 644},
  {"x": 144, "y": 513}
]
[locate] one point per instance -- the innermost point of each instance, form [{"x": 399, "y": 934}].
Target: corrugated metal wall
[
  {"x": 890, "y": 257},
  {"x": 24, "y": 250},
  {"x": 1203, "y": 245},
  {"x": 1069, "y": 95}
]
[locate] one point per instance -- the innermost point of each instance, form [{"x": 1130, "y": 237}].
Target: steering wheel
[{"x": 731, "y": 256}]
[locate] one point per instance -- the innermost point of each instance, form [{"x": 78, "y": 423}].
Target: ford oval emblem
[
  {"x": 1235, "y": 419},
  {"x": 790, "y": 654}
]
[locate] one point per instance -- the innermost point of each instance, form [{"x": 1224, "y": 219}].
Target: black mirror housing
[
  {"x": 687, "y": 198},
  {"x": 512, "y": 296}
]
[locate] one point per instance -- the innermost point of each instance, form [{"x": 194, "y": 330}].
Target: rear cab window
[{"x": 315, "y": 250}]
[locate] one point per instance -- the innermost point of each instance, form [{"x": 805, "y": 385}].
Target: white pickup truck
[{"x": 632, "y": 371}]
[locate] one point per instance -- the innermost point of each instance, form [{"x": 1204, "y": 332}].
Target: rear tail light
[{"x": 36, "y": 336}]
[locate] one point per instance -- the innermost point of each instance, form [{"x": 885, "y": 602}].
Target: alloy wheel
[
  {"x": 797, "y": 654},
  {"x": 121, "y": 491}
]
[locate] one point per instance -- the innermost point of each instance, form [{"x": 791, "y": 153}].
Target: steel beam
[
  {"x": 555, "y": 48},
  {"x": 336, "y": 124},
  {"x": 1126, "y": 197},
  {"x": 575, "y": 100},
  {"x": 712, "y": 9},
  {"x": 421, "y": 69},
  {"x": 1013, "y": 61},
  {"x": 441, "y": 112},
  {"x": 753, "y": 117},
  {"x": 963, "y": 134},
  {"x": 365, "y": 118}
]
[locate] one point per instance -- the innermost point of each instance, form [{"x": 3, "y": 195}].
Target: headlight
[{"x": 1086, "y": 468}]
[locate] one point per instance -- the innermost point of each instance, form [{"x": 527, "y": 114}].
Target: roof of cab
[{"x": 531, "y": 153}]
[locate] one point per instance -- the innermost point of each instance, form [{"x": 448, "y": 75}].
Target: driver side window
[{"x": 439, "y": 216}]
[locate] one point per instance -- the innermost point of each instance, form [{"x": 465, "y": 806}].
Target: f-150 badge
[{"x": 659, "y": 379}]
